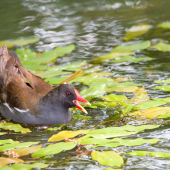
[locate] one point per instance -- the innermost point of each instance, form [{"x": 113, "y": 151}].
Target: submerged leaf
[
  {"x": 109, "y": 158},
  {"x": 136, "y": 31}
]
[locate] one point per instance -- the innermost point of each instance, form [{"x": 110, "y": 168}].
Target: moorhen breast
[{"x": 26, "y": 98}]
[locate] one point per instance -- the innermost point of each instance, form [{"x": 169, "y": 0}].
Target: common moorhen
[{"x": 26, "y": 98}]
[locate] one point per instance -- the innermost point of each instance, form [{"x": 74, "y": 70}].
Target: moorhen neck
[{"x": 26, "y": 98}]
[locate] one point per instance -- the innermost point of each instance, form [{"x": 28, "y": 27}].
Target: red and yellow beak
[{"x": 81, "y": 99}]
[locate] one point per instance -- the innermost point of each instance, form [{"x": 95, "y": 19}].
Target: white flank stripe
[
  {"x": 22, "y": 111},
  {"x": 6, "y": 104}
]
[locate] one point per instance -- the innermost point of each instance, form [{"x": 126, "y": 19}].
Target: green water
[{"x": 95, "y": 27}]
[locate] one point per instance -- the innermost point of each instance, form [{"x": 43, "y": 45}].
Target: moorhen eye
[{"x": 68, "y": 93}]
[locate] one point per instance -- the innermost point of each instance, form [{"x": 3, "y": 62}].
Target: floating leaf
[
  {"x": 119, "y": 131},
  {"x": 150, "y": 153},
  {"x": 93, "y": 91},
  {"x": 109, "y": 158},
  {"x": 129, "y": 89},
  {"x": 16, "y": 145},
  {"x": 26, "y": 150},
  {"x": 121, "y": 99},
  {"x": 28, "y": 166},
  {"x": 7, "y": 141},
  {"x": 66, "y": 134},
  {"x": 81, "y": 117},
  {"x": 14, "y": 127},
  {"x": 163, "y": 81},
  {"x": 128, "y": 142},
  {"x": 111, "y": 55},
  {"x": 2, "y": 133},
  {"x": 165, "y": 25},
  {"x": 149, "y": 104},
  {"x": 55, "y": 80},
  {"x": 104, "y": 104},
  {"x": 5, "y": 161},
  {"x": 64, "y": 50},
  {"x": 163, "y": 88},
  {"x": 161, "y": 46},
  {"x": 20, "y": 42},
  {"x": 54, "y": 149},
  {"x": 136, "y": 31},
  {"x": 131, "y": 59},
  {"x": 140, "y": 96},
  {"x": 152, "y": 112},
  {"x": 128, "y": 48}
]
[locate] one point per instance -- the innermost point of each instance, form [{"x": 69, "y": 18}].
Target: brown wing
[{"x": 19, "y": 87}]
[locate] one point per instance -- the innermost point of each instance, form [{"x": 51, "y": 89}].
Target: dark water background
[{"x": 95, "y": 27}]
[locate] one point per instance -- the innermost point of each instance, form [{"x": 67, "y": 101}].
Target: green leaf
[
  {"x": 28, "y": 166},
  {"x": 163, "y": 88},
  {"x": 66, "y": 134},
  {"x": 131, "y": 59},
  {"x": 7, "y": 141},
  {"x": 14, "y": 127},
  {"x": 18, "y": 145},
  {"x": 129, "y": 89},
  {"x": 64, "y": 50},
  {"x": 25, "y": 54},
  {"x": 54, "y": 149},
  {"x": 129, "y": 48},
  {"x": 55, "y": 80},
  {"x": 149, "y": 104},
  {"x": 152, "y": 112},
  {"x": 128, "y": 142},
  {"x": 136, "y": 31},
  {"x": 109, "y": 56},
  {"x": 121, "y": 99},
  {"x": 20, "y": 42},
  {"x": 81, "y": 117},
  {"x": 163, "y": 81},
  {"x": 150, "y": 153},
  {"x": 119, "y": 131},
  {"x": 165, "y": 25},
  {"x": 109, "y": 158},
  {"x": 94, "y": 91},
  {"x": 161, "y": 47}
]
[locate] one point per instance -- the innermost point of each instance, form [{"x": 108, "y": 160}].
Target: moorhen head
[{"x": 26, "y": 98}]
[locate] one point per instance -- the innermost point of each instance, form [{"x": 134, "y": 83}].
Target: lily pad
[
  {"x": 66, "y": 134},
  {"x": 28, "y": 166},
  {"x": 163, "y": 88},
  {"x": 131, "y": 59},
  {"x": 14, "y": 127},
  {"x": 20, "y": 42},
  {"x": 109, "y": 158},
  {"x": 54, "y": 149},
  {"x": 150, "y": 153},
  {"x": 6, "y": 161},
  {"x": 136, "y": 31},
  {"x": 161, "y": 46},
  {"x": 152, "y": 112},
  {"x": 165, "y": 25},
  {"x": 129, "y": 48}
]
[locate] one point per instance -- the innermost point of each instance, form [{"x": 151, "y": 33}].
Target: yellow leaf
[
  {"x": 140, "y": 96},
  {"x": 6, "y": 161},
  {"x": 26, "y": 150},
  {"x": 152, "y": 112},
  {"x": 122, "y": 89},
  {"x": 66, "y": 134}
]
